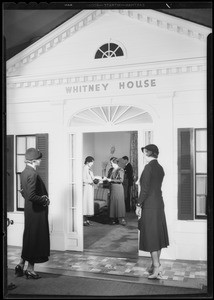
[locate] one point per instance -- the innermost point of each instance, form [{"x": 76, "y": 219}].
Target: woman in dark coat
[
  {"x": 36, "y": 240},
  {"x": 150, "y": 207},
  {"x": 117, "y": 209}
]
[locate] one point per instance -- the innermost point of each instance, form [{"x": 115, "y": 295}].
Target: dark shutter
[
  {"x": 185, "y": 174},
  {"x": 10, "y": 173},
  {"x": 42, "y": 145}
]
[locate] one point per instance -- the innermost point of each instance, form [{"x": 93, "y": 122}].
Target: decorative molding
[
  {"x": 171, "y": 24},
  {"x": 108, "y": 76},
  {"x": 85, "y": 18}
]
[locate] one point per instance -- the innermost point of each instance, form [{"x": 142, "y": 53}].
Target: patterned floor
[{"x": 88, "y": 264}]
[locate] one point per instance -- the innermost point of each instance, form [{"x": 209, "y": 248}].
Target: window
[
  {"x": 200, "y": 172},
  {"x": 109, "y": 50},
  {"x": 192, "y": 173},
  {"x": 23, "y": 142}
]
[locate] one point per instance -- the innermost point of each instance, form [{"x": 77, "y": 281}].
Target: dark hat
[
  {"x": 151, "y": 147},
  {"x": 32, "y": 154}
]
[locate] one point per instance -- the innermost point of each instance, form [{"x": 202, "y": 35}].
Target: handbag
[
  {"x": 106, "y": 184},
  {"x": 96, "y": 181}
]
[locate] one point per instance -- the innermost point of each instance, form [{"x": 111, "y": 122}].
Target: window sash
[
  {"x": 23, "y": 142},
  {"x": 200, "y": 173}
]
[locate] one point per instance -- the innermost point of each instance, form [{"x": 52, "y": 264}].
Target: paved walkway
[{"x": 189, "y": 274}]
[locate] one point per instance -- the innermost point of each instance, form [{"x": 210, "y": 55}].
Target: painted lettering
[
  {"x": 75, "y": 89},
  {"x": 91, "y": 88},
  {"x": 121, "y": 85},
  {"x": 84, "y": 87},
  {"x": 139, "y": 84},
  {"x": 146, "y": 83},
  {"x": 130, "y": 84},
  {"x": 153, "y": 83},
  {"x": 105, "y": 86},
  {"x": 68, "y": 89}
]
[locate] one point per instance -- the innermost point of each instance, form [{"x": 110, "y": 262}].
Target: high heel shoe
[
  {"x": 160, "y": 270},
  {"x": 30, "y": 274},
  {"x": 157, "y": 273},
  {"x": 123, "y": 222},
  {"x": 150, "y": 269},
  {"x": 19, "y": 271}
]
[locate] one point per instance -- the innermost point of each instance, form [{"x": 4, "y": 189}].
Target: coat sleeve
[
  {"x": 145, "y": 184},
  {"x": 32, "y": 193}
]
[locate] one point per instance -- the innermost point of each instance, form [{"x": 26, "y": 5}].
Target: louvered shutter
[
  {"x": 42, "y": 145},
  {"x": 185, "y": 174},
  {"x": 10, "y": 172}
]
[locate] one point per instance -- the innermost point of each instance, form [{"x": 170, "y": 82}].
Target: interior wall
[
  {"x": 88, "y": 145},
  {"x": 101, "y": 145}
]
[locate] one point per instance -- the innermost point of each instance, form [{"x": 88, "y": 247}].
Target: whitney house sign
[{"x": 99, "y": 87}]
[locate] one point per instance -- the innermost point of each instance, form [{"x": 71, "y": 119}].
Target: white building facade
[{"x": 85, "y": 87}]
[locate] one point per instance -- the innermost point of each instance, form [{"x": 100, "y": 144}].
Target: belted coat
[{"x": 36, "y": 239}]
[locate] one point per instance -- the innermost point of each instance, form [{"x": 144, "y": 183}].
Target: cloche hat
[
  {"x": 151, "y": 147},
  {"x": 32, "y": 154}
]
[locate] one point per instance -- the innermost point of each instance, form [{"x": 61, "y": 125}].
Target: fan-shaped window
[
  {"x": 109, "y": 50},
  {"x": 110, "y": 115}
]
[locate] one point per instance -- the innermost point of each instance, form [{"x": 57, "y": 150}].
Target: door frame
[{"x": 75, "y": 237}]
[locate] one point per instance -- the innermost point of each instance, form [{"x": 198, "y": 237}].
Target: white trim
[{"x": 134, "y": 71}]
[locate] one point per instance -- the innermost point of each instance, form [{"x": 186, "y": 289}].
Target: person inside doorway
[
  {"x": 150, "y": 210},
  {"x": 128, "y": 182},
  {"x": 88, "y": 190},
  {"x": 36, "y": 239},
  {"x": 117, "y": 202}
]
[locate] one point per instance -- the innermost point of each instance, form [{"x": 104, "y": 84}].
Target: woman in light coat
[{"x": 88, "y": 190}]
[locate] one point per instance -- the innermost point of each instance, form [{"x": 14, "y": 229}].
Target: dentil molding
[{"x": 57, "y": 80}]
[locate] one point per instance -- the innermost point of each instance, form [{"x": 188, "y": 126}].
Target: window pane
[
  {"x": 201, "y": 205},
  {"x": 99, "y": 54},
  {"x": 201, "y": 185},
  {"x": 201, "y": 140},
  {"x": 20, "y": 200},
  {"x": 31, "y": 142},
  {"x": 104, "y": 48},
  {"x": 119, "y": 52},
  {"x": 21, "y": 145},
  {"x": 20, "y": 163},
  {"x": 201, "y": 162}
]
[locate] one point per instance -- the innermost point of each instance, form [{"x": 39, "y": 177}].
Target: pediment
[{"x": 144, "y": 35}]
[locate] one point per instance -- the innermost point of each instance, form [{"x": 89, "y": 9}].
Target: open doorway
[{"x": 101, "y": 237}]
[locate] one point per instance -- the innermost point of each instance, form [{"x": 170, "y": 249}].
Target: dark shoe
[
  {"x": 88, "y": 222},
  {"x": 30, "y": 274},
  {"x": 112, "y": 222},
  {"x": 19, "y": 271},
  {"x": 85, "y": 223},
  {"x": 11, "y": 286}
]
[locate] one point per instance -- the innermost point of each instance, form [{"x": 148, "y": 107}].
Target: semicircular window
[{"x": 109, "y": 50}]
